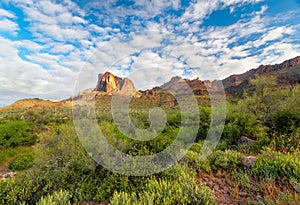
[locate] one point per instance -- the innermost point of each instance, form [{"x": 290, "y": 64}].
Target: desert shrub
[
  {"x": 120, "y": 198},
  {"x": 62, "y": 164},
  {"x": 204, "y": 123},
  {"x": 114, "y": 182},
  {"x": 16, "y": 133},
  {"x": 13, "y": 151},
  {"x": 174, "y": 120},
  {"x": 16, "y": 191},
  {"x": 242, "y": 179},
  {"x": 285, "y": 132},
  {"x": 179, "y": 188},
  {"x": 57, "y": 198},
  {"x": 278, "y": 165},
  {"x": 197, "y": 146},
  {"x": 21, "y": 162},
  {"x": 224, "y": 160},
  {"x": 192, "y": 159},
  {"x": 239, "y": 124}
]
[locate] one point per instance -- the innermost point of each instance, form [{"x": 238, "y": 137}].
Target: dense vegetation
[{"x": 53, "y": 168}]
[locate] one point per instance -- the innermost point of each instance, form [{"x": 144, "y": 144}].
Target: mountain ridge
[
  {"x": 287, "y": 73},
  {"x": 237, "y": 83}
]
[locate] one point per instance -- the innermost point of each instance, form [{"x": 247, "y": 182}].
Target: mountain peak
[{"x": 110, "y": 83}]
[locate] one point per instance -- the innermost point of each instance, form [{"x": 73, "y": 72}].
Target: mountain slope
[{"x": 287, "y": 73}]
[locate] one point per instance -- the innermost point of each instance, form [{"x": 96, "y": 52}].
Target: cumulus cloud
[{"x": 8, "y": 25}]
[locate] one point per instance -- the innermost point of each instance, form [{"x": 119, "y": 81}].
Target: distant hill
[
  {"x": 287, "y": 73},
  {"x": 34, "y": 103}
]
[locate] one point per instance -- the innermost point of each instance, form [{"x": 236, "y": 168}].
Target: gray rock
[
  {"x": 248, "y": 161},
  {"x": 245, "y": 140}
]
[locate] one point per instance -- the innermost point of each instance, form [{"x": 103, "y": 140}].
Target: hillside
[
  {"x": 34, "y": 103},
  {"x": 287, "y": 73}
]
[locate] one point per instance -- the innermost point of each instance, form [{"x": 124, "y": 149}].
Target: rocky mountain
[
  {"x": 287, "y": 73},
  {"x": 109, "y": 83}
]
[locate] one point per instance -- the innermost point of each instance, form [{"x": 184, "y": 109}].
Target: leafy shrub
[
  {"x": 224, "y": 160},
  {"x": 21, "y": 162},
  {"x": 176, "y": 186},
  {"x": 277, "y": 165},
  {"x": 16, "y": 133},
  {"x": 242, "y": 179},
  {"x": 57, "y": 198},
  {"x": 239, "y": 124},
  {"x": 166, "y": 192},
  {"x": 120, "y": 198},
  {"x": 204, "y": 123},
  {"x": 17, "y": 191},
  {"x": 13, "y": 151},
  {"x": 192, "y": 160}
]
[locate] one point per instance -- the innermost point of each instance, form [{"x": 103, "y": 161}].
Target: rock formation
[
  {"x": 109, "y": 83},
  {"x": 126, "y": 87}
]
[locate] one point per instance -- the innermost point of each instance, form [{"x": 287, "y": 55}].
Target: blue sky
[{"x": 47, "y": 47}]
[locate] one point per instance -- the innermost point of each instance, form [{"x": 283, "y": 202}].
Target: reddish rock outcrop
[{"x": 109, "y": 83}]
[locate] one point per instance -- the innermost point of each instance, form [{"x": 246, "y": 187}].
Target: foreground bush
[
  {"x": 57, "y": 198},
  {"x": 224, "y": 160},
  {"x": 180, "y": 190},
  {"x": 277, "y": 165},
  {"x": 16, "y": 133},
  {"x": 21, "y": 162}
]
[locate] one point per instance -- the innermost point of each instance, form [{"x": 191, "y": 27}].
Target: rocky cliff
[{"x": 109, "y": 83}]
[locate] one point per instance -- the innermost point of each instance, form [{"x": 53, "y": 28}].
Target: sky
[{"x": 52, "y": 49}]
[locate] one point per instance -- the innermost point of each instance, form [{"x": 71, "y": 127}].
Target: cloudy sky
[{"x": 47, "y": 48}]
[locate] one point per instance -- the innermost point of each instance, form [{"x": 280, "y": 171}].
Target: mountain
[
  {"x": 109, "y": 83},
  {"x": 287, "y": 73}
]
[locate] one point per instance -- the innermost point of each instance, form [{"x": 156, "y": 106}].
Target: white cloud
[
  {"x": 8, "y": 25},
  {"x": 6, "y": 14},
  {"x": 62, "y": 48}
]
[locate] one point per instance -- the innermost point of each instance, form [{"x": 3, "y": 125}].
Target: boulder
[
  {"x": 248, "y": 161},
  {"x": 245, "y": 140}
]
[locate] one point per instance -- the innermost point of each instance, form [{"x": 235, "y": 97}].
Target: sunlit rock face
[{"x": 109, "y": 83}]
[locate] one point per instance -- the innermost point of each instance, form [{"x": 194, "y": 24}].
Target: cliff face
[{"x": 109, "y": 83}]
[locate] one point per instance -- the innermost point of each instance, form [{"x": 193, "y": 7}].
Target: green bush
[
  {"x": 239, "y": 124},
  {"x": 17, "y": 191},
  {"x": 166, "y": 192},
  {"x": 21, "y": 162},
  {"x": 16, "y": 133},
  {"x": 57, "y": 198},
  {"x": 12, "y": 151},
  {"x": 204, "y": 125},
  {"x": 278, "y": 165},
  {"x": 175, "y": 186},
  {"x": 224, "y": 160},
  {"x": 192, "y": 160},
  {"x": 242, "y": 179}
]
